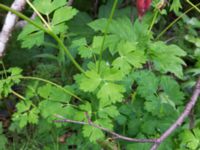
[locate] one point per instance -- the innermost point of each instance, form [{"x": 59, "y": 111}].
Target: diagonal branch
[
  {"x": 181, "y": 118},
  {"x": 157, "y": 141},
  {"x": 116, "y": 135}
]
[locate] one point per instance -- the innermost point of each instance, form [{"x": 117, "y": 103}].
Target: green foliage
[
  {"x": 58, "y": 18},
  {"x": 129, "y": 82},
  {"x": 12, "y": 79},
  {"x": 190, "y": 139},
  {"x": 3, "y": 139},
  {"x": 25, "y": 113},
  {"x": 175, "y": 6},
  {"x": 167, "y": 58},
  {"x": 159, "y": 95},
  {"x": 130, "y": 55},
  {"x": 31, "y": 35},
  {"x": 47, "y": 6}
]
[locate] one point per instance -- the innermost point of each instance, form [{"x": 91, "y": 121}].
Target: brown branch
[
  {"x": 157, "y": 141},
  {"x": 181, "y": 118},
  {"x": 116, "y": 135}
]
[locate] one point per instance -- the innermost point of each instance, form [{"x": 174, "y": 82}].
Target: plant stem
[
  {"x": 23, "y": 17},
  {"x": 54, "y": 84},
  {"x": 153, "y": 21},
  {"x": 37, "y": 12},
  {"x": 48, "y": 32},
  {"x": 21, "y": 97},
  {"x": 67, "y": 52},
  {"x": 4, "y": 69},
  {"x": 173, "y": 22},
  {"x": 190, "y": 105},
  {"x": 105, "y": 32},
  {"x": 194, "y": 6},
  {"x": 18, "y": 95},
  {"x": 90, "y": 123}
]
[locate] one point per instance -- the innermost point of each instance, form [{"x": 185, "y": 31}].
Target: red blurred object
[{"x": 142, "y": 7}]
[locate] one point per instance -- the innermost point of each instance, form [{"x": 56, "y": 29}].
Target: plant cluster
[{"x": 130, "y": 76}]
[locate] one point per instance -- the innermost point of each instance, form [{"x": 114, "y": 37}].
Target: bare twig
[
  {"x": 116, "y": 135},
  {"x": 181, "y": 118},
  {"x": 9, "y": 24},
  {"x": 157, "y": 141}
]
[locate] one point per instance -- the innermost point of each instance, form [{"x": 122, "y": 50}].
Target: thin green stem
[
  {"x": 18, "y": 95},
  {"x": 4, "y": 69},
  {"x": 67, "y": 52},
  {"x": 48, "y": 32},
  {"x": 50, "y": 45},
  {"x": 173, "y": 22},
  {"x": 37, "y": 12},
  {"x": 24, "y": 17},
  {"x": 194, "y": 6},
  {"x": 51, "y": 83},
  {"x": 54, "y": 84},
  {"x": 21, "y": 97},
  {"x": 48, "y": 19},
  {"x": 105, "y": 32},
  {"x": 153, "y": 21}
]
